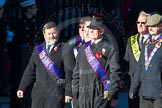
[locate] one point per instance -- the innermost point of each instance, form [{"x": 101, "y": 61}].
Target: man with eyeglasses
[
  {"x": 147, "y": 79},
  {"x": 97, "y": 70},
  {"x": 80, "y": 39},
  {"x": 77, "y": 42},
  {"x": 132, "y": 54}
]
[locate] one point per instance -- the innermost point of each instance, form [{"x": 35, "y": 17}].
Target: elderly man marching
[
  {"x": 133, "y": 50},
  {"x": 148, "y": 73},
  {"x": 96, "y": 74},
  {"x": 49, "y": 71}
]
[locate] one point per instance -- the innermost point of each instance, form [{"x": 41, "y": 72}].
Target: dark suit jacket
[
  {"x": 47, "y": 93},
  {"x": 150, "y": 81},
  {"x": 87, "y": 82},
  {"x": 129, "y": 57}
]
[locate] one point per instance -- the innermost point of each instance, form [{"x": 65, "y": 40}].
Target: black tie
[
  {"x": 83, "y": 41},
  {"x": 48, "y": 49},
  {"x": 92, "y": 45},
  {"x": 141, "y": 43}
]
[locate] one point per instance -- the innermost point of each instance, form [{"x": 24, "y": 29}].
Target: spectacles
[
  {"x": 140, "y": 22},
  {"x": 80, "y": 27}
]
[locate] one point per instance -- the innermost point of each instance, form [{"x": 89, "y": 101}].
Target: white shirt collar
[
  {"x": 96, "y": 41},
  {"x": 50, "y": 47},
  {"x": 146, "y": 36},
  {"x": 156, "y": 37}
]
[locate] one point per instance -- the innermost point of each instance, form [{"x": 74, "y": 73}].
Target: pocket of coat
[
  {"x": 34, "y": 89},
  {"x": 61, "y": 82}
]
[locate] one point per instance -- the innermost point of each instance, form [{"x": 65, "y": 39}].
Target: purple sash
[
  {"x": 94, "y": 63},
  {"x": 77, "y": 41},
  {"x": 48, "y": 63}
]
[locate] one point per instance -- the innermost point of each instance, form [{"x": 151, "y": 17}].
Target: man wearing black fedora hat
[{"x": 97, "y": 70}]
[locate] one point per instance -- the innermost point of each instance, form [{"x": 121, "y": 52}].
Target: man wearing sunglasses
[
  {"x": 80, "y": 39},
  {"x": 133, "y": 49},
  {"x": 76, "y": 42},
  {"x": 147, "y": 77}
]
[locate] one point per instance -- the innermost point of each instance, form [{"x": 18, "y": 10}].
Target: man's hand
[
  {"x": 20, "y": 94},
  {"x": 131, "y": 96},
  {"x": 68, "y": 99},
  {"x": 106, "y": 95}
]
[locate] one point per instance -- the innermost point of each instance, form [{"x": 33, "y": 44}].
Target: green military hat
[{"x": 154, "y": 20}]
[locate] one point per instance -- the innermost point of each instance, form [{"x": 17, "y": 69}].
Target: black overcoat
[
  {"x": 149, "y": 81},
  {"x": 130, "y": 58},
  {"x": 47, "y": 92},
  {"x": 87, "y": 82}
]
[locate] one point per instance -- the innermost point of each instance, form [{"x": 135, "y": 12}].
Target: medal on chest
[{"x": 149, "y": 58}]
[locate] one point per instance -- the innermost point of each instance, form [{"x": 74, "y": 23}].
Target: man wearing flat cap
[
  {"x": 148, "y": 73},
  {"x": 97, "y": 70}
]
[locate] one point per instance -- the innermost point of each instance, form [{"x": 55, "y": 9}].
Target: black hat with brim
[{"x": 96, "y": 23}]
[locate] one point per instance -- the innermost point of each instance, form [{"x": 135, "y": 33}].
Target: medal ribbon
[{"x": 149, "y": 58}]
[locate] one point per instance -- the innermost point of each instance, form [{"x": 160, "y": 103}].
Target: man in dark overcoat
[
  {"x": 50, "y": 70},
  {"x": 148, "y": 72},
  {"x": 77, "y": 42},
  {"x": 97, "y": 70},
  {"x": 132, "y": 54}
]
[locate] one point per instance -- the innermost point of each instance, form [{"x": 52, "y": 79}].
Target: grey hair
[
  {"x": 143, "y": 13},
  {"x": 49, "y": 25}
]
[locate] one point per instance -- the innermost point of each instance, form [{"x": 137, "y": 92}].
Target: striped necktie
[{"x": 48, "y": 49}]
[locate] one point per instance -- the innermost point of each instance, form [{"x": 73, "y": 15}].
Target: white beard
[{"x": 51, "y": 42}]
